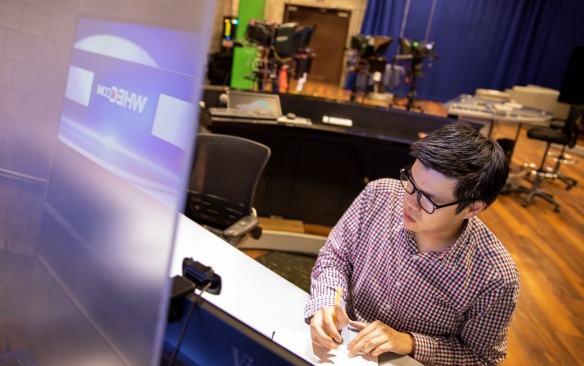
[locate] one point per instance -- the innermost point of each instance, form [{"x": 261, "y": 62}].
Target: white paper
[{"x": 301, "y": 344}]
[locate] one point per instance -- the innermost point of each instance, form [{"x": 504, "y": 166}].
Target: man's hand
[
  {"x": 377, "y": 338},
  {"x": 324, "y": 331}
]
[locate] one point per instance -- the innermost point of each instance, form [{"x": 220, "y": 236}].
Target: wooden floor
[{"x": 548, "y": 247}]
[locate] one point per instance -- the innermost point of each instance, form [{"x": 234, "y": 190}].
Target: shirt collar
[
  {"x": 449, "y": 254},
  {"x": 461, "y": 244}
]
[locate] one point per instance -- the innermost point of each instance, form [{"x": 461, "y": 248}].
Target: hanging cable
[
  {"x": 286, "y": 59},
  {"x": 198, "y": 298},
  {"x": 430, "y": 20},
  {"x": 405, "y": 19}
]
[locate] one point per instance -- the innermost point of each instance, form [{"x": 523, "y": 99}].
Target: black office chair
[
  {"x": 567, "y": 136},
  {"x": 226, "y": 170},
  {"x": 562, "y": 158}
]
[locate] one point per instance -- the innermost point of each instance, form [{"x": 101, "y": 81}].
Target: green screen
[{"x": 243, "y": 57}]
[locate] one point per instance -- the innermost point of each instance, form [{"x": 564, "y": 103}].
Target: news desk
[
  {"x": 315, "y": 171},
  {"x": 250, "y": 292}
]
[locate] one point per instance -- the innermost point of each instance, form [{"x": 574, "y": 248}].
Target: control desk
[{"x": 316, "y": 169}]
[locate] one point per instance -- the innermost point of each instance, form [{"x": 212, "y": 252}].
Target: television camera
[
  {"x": 368, "y": 61},
  {"x": 283, "y": 49},
  {"x": 416, "y": 52}
]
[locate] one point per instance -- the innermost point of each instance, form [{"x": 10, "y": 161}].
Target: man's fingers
[
  {"x": 334, "y": 321},
  {"x": 324, "y": 342},
  {"x": 377, "y": 338},
  {"x": 364, "y": 331},
  {"x": 334, "y": 334},
  {"x": 325, "y": 335},
  {"x": 364, "y": 338},
  {"x": 324, "y": 331},
  {"x": 342, "y": 317},
  {"x": 358, "y": 325},
  {"x": 373, "y": 345}
]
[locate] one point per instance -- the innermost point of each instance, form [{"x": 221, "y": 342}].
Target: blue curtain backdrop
[{"x": 492, "y": 44}]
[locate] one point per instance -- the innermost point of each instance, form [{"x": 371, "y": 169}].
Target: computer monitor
[
  {"x": 303, "y": 36},
  {"x": 405, "y": 46},
  {"x": 371, "y": 46},
  {"x": 572, "y": 89},
  {"x": 214, "y": 337},
  {"x": 284, "y": 39},
  {"x": 254, "y": 101},
  {"x": 417, "y": 49},
  {"x": 261, "y": 32},
  {"x": 293, "y": 38}
]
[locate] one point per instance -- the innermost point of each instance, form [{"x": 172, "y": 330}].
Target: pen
[{"x": 338, "y": 293}]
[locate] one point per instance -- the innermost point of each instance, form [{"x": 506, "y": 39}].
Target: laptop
[
  {"x": 250, "y": 105},
  {"x": 254, "y": 101}
]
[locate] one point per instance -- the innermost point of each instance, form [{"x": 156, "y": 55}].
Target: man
[{"x": 420, "y": 274}]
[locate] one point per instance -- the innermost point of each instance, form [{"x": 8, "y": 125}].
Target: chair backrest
[
  {"x": 571, "y": 127},
  {"x": 226, "y": 171}
]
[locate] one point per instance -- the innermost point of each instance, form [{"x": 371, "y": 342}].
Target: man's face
[{"x": 440, "y": 189}]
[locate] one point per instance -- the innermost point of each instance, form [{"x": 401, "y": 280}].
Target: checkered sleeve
[{"x": 483, "y": 340}]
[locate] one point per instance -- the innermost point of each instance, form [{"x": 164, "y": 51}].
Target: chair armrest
[
  {"x": 241, "y": 227},
  {"x": 557, "y": 123}
]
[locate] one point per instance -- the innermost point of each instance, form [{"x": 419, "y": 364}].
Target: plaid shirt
[{"x": 456, "y": 304}]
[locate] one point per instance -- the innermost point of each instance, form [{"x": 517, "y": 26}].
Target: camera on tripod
[
  {"x": 260, "y": 32},
  {"x": 285, "y": 39},
  {"x": 368, "y": 62},
  {"x": 420, "y": 49},
  {"x": 416, "y": 52},
  {"x": 284, "y": 47}
]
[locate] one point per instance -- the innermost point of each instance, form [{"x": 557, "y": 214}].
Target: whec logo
[
  {"x": 241, "y": 358},
  {"x": 123, "y": 98}
]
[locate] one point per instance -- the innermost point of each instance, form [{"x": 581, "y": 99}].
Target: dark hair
[{"x": 460, "y": 152}]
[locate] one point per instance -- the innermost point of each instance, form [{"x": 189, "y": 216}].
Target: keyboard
[
  {"x": 243, "y": 113},
  {"x": 524, "y": 115},
  {"x": 470, "y": 111}
]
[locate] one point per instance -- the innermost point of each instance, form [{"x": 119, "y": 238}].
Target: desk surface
[
  {"x": 469, "y": 106},
  {"x": 386, "y": 124},
  {"x": 250, "y": 292},
  {"x": 244, "y": 281}
]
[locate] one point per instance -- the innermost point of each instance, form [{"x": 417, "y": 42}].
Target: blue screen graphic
[
  {"x": 130, "y": 102},
  {"x": 118, "y": 180}
]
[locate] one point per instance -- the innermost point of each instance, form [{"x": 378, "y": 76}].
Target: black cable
[{"x": 197, "y": 299}]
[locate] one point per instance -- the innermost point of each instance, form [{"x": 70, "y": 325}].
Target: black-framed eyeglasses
[{"x": 424, "y": 201}]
